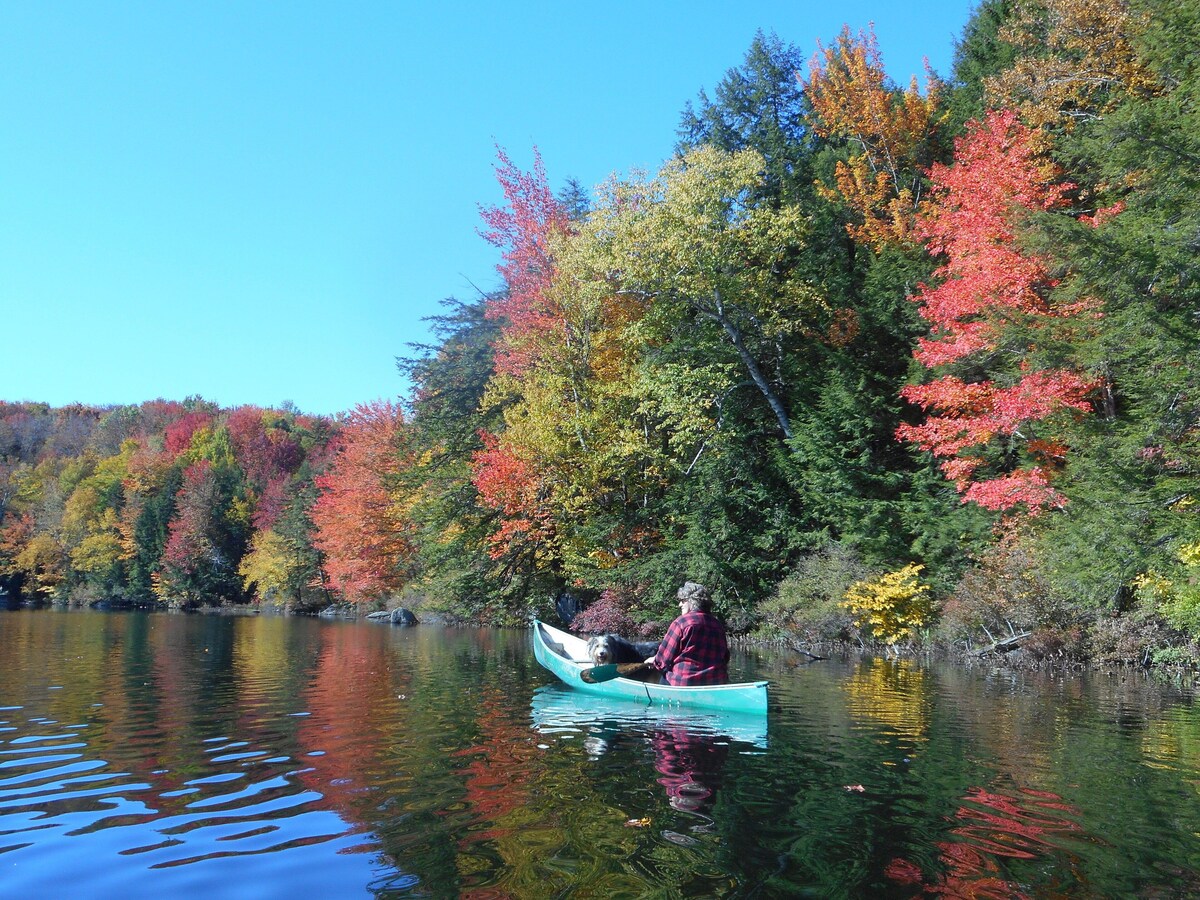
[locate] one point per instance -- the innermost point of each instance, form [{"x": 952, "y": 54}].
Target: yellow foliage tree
[
  {"x": 1175, "y": 593},
  {"x": 695, "y": 245},
  {"x": 266, "y": 568},
  {"x": 892, "y": 606},
  {"x": 1078, "y": 60},
  {"x": 91, "y": 528},
  {"x": 596, "y": 423},
  {"x": 44, "y": 564}
]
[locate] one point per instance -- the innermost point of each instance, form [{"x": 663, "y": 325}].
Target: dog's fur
[{"x": 612, "y": 648}]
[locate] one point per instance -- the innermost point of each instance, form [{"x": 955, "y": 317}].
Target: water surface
[{"x": 269, "y": 757}]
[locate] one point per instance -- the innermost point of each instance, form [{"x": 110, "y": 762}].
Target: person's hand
[{"x": 650, "y": 661}]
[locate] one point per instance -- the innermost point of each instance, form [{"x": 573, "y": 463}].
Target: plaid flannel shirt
[{"x": 694, "y": 651}]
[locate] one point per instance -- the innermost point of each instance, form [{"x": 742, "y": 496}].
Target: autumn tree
[
  {"x": 693, "y": 245},
  {"x": 891, "y": 133},
  {"x": 557, "y": 361},
  {"x": 360, "y": 524},
  {"x": 706, "y": 286},
  {"x": 996, "y": 426},
  {"x": 211, "y": 524},
  {"x": 1076, "y": 59},
  {"x": 192, "y": 564},
  {"x": 91, "y": 523},
  {"x": 523, "y": 229}
]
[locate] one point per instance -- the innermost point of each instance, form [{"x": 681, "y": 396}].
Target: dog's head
[{"x": 599, "y": 649}]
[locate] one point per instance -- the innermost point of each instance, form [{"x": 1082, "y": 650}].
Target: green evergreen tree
[
  {"x": 1132, "y": 485},
  {"x": 978, "y": 54}
]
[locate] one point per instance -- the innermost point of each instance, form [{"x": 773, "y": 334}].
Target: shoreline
[{"x": 1006, "y": 654}]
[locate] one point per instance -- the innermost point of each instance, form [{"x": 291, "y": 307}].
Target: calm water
[{"x": 142, "y": 755}]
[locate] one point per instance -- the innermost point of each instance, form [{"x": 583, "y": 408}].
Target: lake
[{"x": 259, "y": 757}]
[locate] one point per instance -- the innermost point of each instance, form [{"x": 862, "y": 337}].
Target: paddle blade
[{"x": 600, "y": 674}]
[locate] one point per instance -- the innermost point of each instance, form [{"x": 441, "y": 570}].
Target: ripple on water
[{"x": 61, "y": 805}]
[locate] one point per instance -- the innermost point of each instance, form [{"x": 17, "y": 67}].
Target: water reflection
[
  {"x": 171, "y": 754},
  {"x": 689, "y": 751},
  {"x": 558, "y": 710},
  {"x": 992, "y": 829},
  {"x": 891, "y": 697},
  {"x": 689, "y": 767}
]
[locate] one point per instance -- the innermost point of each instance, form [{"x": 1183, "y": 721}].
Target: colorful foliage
[
  {"x": 892, "y": 132},
  {"x": 696, "y": 244},
  {"x": 267, "y": 567},
  {"x": 358, "y": 517},
  {"x": 1076, "y": 59},
  {"x": 178, "y": 435},
  {"x": 524, "y": 230},
  {"x": 701, "y": 370},
  {"x": 987, "y": 286},
  {"x": 891, "y": 607},
  {"x": 507, "y": 483}
]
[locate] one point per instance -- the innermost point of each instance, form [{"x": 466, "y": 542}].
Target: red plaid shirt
[{"x": 694, "y": 651}]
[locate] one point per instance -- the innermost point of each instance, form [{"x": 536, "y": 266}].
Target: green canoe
[{"x": 566, "y": 656}]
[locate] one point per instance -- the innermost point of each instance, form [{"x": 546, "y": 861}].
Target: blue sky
[{"x": 259, "y": 202}]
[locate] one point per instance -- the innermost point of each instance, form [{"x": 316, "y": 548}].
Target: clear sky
[{"x": 257, "y": 202}]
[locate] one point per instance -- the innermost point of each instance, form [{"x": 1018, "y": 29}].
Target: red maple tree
[
  {"x": 507, "y": 483},
  {"x": 359, "y": 522},
  {"x": 986, "y": 284},
  {"x": 533, "y": 324},
  {"x": 178, "y": 435},
  {"x": 523, "y": 230}
]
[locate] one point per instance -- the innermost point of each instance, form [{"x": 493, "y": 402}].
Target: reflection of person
[
  {"x": 690, "y": 767},
  {"x": 694, "y": 650}
]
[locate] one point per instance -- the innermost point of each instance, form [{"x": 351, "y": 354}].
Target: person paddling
[{"x": 695, "y": 649}]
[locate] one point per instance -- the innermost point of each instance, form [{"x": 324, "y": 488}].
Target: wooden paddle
[{"x": 600, "y": 674}]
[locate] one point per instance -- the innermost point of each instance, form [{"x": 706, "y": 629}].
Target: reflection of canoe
[
  {"x": 558, "y": 711},
  {"x": 566, "y": 656}
]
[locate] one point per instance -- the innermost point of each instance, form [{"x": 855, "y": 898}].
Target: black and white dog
[{"x": 603, "y": 649}]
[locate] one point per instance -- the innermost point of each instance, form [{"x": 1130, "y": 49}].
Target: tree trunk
[{"x": 751, "y": 364}]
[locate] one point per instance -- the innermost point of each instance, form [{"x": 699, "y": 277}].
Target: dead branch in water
[{"x": 1003, "y": 645}]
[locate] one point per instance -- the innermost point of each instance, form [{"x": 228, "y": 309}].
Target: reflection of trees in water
[
  {"x": 1025, "y": 825},
  {"x": 895, "y": 693},
  {"x": 421, "y": 746},
  {"x": 434, "y": 756}
]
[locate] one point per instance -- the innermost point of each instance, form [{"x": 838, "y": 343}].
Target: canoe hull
[
  {"x": 558, "y": 710},
  {"x": 747, "y": 697}
]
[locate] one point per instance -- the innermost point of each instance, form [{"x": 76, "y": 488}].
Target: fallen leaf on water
[
  {"x": 857, "y": 788},
  {"x": 637, "y": 823}
]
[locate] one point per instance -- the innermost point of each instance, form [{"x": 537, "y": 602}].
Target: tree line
[{"x": 875, "y": 361}]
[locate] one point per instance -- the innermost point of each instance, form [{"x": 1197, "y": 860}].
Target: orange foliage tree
[
  {"x": 893, "y": 130},
  {"x": 359, "y": 520}
]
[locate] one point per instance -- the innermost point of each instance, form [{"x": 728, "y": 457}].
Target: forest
[{"x": 903, "y": 365}]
